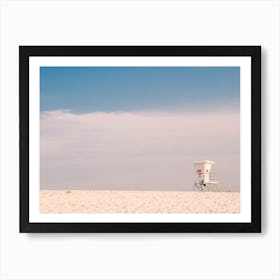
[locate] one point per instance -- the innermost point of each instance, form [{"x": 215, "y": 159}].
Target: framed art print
[{"x": 140, "y": 138}]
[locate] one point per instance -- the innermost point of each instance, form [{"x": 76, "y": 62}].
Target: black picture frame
[{"x": 254, "y": 52}]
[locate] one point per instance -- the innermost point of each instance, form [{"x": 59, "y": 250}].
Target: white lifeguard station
[{"x": 205, "y": 180}]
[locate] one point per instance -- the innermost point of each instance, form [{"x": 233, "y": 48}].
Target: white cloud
[{"x": 137, "y": 150}]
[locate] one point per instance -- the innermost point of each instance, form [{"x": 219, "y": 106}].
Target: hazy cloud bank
[{"x": 136, "y": 150}]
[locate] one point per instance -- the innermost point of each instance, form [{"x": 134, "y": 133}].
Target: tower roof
[{"x": 205, "y": 161}]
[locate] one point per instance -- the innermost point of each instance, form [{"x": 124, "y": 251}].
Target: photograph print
[{"x": 139, "y": 140}]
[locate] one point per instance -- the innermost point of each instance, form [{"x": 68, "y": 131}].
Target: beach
[{"x": 99, "y": 201}]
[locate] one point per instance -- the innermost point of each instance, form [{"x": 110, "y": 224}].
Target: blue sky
[{"x": 107, "y": 89}]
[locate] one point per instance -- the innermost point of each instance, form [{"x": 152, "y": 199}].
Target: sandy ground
[{"x": 91, "y": 201}]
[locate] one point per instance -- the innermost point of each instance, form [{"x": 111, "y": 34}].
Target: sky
[
  {"x": 107, "y": 89},
  {"x": 137, "y": 127}
]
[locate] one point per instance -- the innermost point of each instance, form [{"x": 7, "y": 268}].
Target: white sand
[{"x": 92, "y": 201}]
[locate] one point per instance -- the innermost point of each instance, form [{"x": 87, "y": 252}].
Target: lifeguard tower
[{"x": 205, "y": 180}]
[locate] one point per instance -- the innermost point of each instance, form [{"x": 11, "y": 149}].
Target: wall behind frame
[{"x": 139, "y": 256}]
